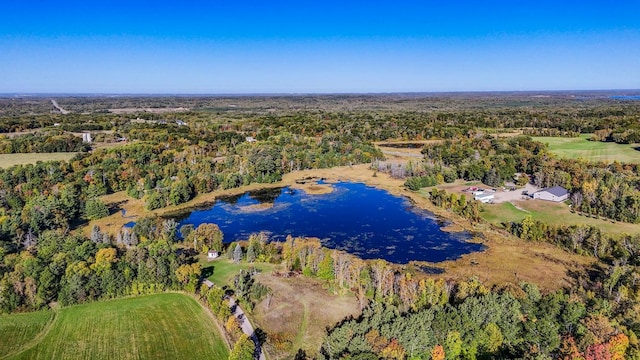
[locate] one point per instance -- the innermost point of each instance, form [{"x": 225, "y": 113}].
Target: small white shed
[{"x": 485, "y": 197}]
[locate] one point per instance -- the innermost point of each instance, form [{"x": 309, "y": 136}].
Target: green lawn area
[
  {"x": 550, "y": 213},
  {"x": 221, "y": 271},
  {"x": 8, "y": 160},
  {"x": 162, "y": 326},
  {"x": 21, "y": 328},
  {"x": 581, "y": 148}
]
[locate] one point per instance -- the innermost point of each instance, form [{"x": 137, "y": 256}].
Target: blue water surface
[
  {"x": 362, "y": 220},
  {"x": 625, "y": 97}
]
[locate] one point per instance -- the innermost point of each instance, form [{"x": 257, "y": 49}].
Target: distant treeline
[{"x": 42, "y": 143}]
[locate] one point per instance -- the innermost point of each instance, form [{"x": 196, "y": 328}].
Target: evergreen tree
[
  {"x": 96, "y": 234},
  {"x": 170, "y": 230},
  {"x": 95, "y": 209},
  {"x": 237, "y": 254},
  {"x": 492, "y": 178},
  {"x": 251, "y": 254},
  {"x": 134, "y": 239}
]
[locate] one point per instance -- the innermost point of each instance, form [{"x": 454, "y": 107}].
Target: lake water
[
  {"x": 626, "y": 97},
  {"x": 365, "y": 221}
]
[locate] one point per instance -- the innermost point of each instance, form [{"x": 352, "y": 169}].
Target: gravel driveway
[{"x": 503, "y": 196}]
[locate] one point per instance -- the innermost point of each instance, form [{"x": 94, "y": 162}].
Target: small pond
[{"x": 362, "y": 220}]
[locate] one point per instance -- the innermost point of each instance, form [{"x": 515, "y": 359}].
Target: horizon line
[{"x": 278, "y": 94}]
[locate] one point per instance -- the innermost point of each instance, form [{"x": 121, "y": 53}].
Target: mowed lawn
[
  {"x": 162, "y": 326},
  {"x": 550, "y": 213},
  {"x": 17, "y": 330},
  {"x": 9, "y": 160},
  {"x": 582, "y": 148},
  {"x": 221, "y": 271}
]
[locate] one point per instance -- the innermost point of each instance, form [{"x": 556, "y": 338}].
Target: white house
[
  {"x": 212, "y": 254},
  {"x": 484, "y": 197},
  {"x": 556, "y": 193}
]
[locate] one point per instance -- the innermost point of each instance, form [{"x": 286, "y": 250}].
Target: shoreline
[{"x": 504, "y": 259}]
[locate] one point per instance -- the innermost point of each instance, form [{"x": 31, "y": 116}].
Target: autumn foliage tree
[{"x": 205, "y": 237}]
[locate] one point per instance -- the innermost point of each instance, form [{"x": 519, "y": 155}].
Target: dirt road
[
  {"x": 246, "y": 327},
  {"x": 55, "y": 105}
]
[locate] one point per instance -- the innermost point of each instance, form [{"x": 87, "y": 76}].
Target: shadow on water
[{"x": 267, "y": 195}]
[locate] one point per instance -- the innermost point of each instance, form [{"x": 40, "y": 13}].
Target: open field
[
  {"x": 508, "y": 259},
  {"x": 21, "y": 329},
  {"x": 551, "y": 213},
  {"x": 581, "y": 148},
  {"x": 300, "y": 309},
  {"x": 222, "y": 270},
  {"x": 163, "y": 326},
  {"x": 9, "y": 160}
]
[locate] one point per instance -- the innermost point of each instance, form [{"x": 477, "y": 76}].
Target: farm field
[
  {"x": 582, "y": 148},
  {"x": 162, "y": 326},
  {"x": 550, "y": 213},
  {"x": 21, "y": 329},
  {"x": 9, "y": 160}
]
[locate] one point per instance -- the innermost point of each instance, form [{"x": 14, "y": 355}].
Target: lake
[
  {"x": 625, "y": 97},
  {"x": 362, "y": 220}
]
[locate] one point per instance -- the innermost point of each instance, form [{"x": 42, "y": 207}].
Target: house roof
[{"x": 556, "y": 190}]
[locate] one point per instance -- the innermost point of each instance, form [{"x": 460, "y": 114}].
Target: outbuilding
[
  {"x": 484, "y": 197},
  {"x": 556, "y": 193},
  {"x": 212, "y": 254}
]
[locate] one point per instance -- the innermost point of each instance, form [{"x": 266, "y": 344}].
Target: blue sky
[{"x": 317, "y": 46}]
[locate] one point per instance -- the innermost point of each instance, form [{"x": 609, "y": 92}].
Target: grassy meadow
[
  {"x": 21, "y": 329},
  {"x": 9, "y": 160},
  {"x": 581, "y": 148},
  {"x": 162, "y": 326},
  {"x": 300, "y": 310},
  {"x": 550, "y": 213}
]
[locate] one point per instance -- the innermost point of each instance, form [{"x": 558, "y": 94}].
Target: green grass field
[
  {"x": 8, "y": 160},
  {"x": 581, "y": 148},
  {"x": 162, "y": 326},
  {"x": 221, "y": 271},
  {"x": 21, "y": 329},
  {"x": 550, "y": 213}
]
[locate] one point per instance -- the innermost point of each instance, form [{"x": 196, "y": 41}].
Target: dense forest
[{"x": 182, "y": 147}]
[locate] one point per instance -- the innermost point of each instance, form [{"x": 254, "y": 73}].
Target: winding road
[{"x": 246, "y": 327}]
